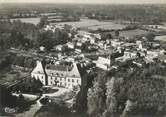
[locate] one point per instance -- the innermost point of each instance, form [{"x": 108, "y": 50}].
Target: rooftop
[{"x": 57, "y": 67}]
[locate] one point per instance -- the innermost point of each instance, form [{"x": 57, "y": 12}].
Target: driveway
[{"x": 35, "y": 107}]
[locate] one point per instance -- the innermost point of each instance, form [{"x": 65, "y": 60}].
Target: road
[{"x": 35, "y": 107}]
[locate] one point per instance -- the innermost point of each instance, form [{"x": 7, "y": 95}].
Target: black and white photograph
[{"x": 82, "y": 58}]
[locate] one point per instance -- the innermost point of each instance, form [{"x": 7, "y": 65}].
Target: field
[
  {"x": 132, "y": 33},
  {"x": 83, "y": 23},
  {"x": 28, "y": 20},
  {"x": 161, "y": 38},
  {"x": 93, "y": 24}
]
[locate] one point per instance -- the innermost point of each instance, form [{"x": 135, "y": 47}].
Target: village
[
  {"x": 62, "y": 66},
  {"x": 59, "y": 62}
]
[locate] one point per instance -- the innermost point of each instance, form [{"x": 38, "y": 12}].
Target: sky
[{"x": 89, "y": 1}]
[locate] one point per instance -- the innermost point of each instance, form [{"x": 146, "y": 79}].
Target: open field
[
  {"x": 90, "y": 24},
  {"x": 161, "y": 38},
  {"x": 132, "y": 33},
  {"x": 28, "y": 20},
  {"x": 93, "y": 24}
]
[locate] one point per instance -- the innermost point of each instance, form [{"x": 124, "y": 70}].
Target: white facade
[
  {"x": 38, "y": 73},
  {"x": 70, "y": 45},
  {"x": 64, "y": 77},
  {"x": 103, "y": 63}
]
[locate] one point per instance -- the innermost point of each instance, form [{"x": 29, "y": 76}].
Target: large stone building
[{"x": 57, "y": 75}]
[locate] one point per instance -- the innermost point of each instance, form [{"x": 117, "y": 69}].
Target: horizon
[{"x": 109, "y": 2}]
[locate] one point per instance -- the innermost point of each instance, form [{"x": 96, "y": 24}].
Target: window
[
  {"x": 41, "y": 77},
  {"x": 68, "y": 80},
  {"x": 77, "y": 81},
  {"x": 72, "y": 80}
]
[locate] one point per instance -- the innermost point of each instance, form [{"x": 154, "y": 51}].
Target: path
[{"x": 35, "y": 107}]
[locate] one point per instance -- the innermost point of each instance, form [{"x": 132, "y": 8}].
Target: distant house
[
  {"x": 58, "y": 48},
  {"x": 42, "y": 48},
  {"x": 92, "y": 40},
  {"x": 116, "y": 43},
  {"x": 98, "y": 36},
  {"x": 126, "y": 56},
  {"x": 70, "y": 45},
  {"x": 79, "y": 44},
  {"x": 78, "y": 51},
  {"x": 103, "y": 63}
]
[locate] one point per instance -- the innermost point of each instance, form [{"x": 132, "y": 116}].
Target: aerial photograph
[{"x": 82, "y": 58}]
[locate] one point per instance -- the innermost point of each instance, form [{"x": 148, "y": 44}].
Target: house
[
  {"x": 38, "y": 73},
  {"x": 58, "y": 48},
  {"x": 79, "y": 44},
  {"x": 42, "y": 49},
  {"x": 78, "y": 51},
  {"x": 103, "y": 63},
  {"x": 92, "y": 40},
  {"x": 98, "y": 36},
  {"x": 58, "y": 75},
  {"x": 70, "y": 45},
  {"x": 126, "y": 56},
  {"x": 116, "y": 43},
  {"x": 64, "y": 76}
]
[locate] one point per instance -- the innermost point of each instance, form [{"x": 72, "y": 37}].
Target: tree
[
  {"x": 96, "y": 101},
  {"x": 43, "y": 22},
  {"x": 150, "y": 36},
  {"x": 117, "y": 33},
  {"x": 97, "y": 97}
]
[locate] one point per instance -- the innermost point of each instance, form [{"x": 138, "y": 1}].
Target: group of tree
[
  {"x": 129, "y": 91},
  {"x": 144, "y": 14},
  {"x": 49, "y": 39},
  {"x": 19, "y": 104},
  {"x": 29, "y": 85},
  {"x": 26, "y": 36}
]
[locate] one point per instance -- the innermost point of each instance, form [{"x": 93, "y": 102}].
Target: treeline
[
  {"x": 145, "y": 14},
  {"x": 10, "y": 59},
  {"x": 17, "y": 34},
  {"x": 26, "y": 36}
]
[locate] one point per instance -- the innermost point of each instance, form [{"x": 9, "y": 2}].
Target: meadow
[
  {"x": 92, "y": 24},
  {"x": 34, "y": 21},
  {"x": 161, "y": 38}
]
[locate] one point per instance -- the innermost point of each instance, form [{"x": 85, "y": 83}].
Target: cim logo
[{"x": 10, "y": 110}]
